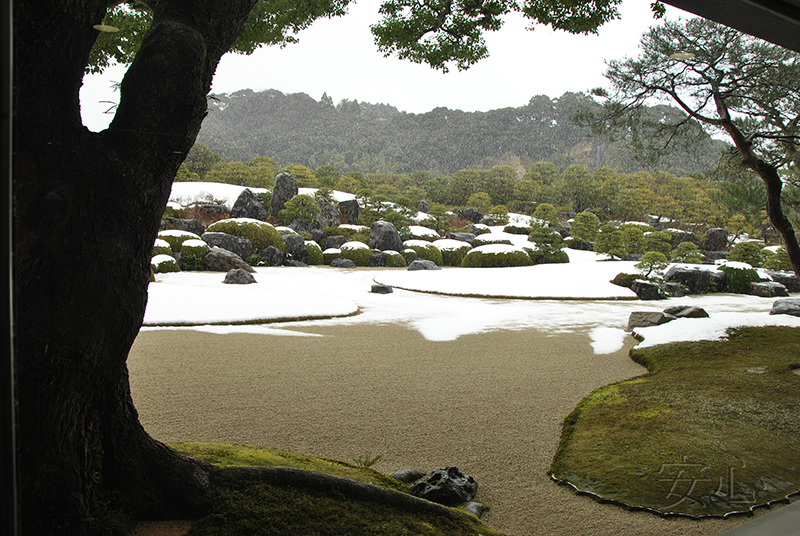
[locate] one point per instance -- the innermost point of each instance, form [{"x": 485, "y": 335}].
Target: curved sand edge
[{"x": 490, "y": 403}]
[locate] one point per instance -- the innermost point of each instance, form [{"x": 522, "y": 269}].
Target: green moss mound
[
  {"x": 175, "y": 238},
  {"x": 453, "y": 251},
  {"x": 193, "y": 252},
  {"x": 161, "y": 247},
  {"x": 315, "y": 256},
  {"x": 496, "y": 256},
  {"x": 260, "y": 233},
  {"x": 409, "y": 255},
  {"x": 425, "y": 250},
  {"x": 162, "y": 264},
  {"x": 395, "y": 259},
  {"x": 358, "y": 252},
  {"x": 711, "y": 429},
  {"x": 331, "y": 254}
]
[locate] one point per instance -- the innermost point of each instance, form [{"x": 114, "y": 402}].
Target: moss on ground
[
  {"x": 260, "y": 509},
  {"x": 711, "y": 429}
]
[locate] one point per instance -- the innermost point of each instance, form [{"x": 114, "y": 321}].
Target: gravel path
[{"x": 492, "y": 404}]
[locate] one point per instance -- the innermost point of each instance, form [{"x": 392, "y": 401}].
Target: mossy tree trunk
[{"x": 87, "y": 208}]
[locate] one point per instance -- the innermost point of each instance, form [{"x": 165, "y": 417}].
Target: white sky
[{"x": 338, "y": 57}]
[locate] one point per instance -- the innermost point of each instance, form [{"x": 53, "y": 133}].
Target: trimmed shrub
[
  {"x": 585, "y": 227},
  {"x": 260, "y": 233},
  {"x": 192, "y": 252},
  {"x": 652, "y": 262},
  {"x": 778, "y": 261},
  {"x": 358, "y": 252},
  {"x": 626, "y": 280},
  {"x": 496, "y": 256},
  {"x": 174, "y": 210},
  {"x": 738, "y": 278},
  {"x": 330, "y": 254},
  {"x": 420, "y": 232},
  {"x": 162, "y": 264},
  {"x": 548, "y": 248},
  {"x": 301, "y": 207},
  {"x": 751, "y": 253},
  {"x": 492, "y": 238},
  {"x": 355, "y": 233},
  {"x": 516, "y": 229},
  {"x": 686, "y": 252},
  {"x": 409, "y": 255},
  {"x": 161, "y": 247},
  {"x": 176, "y": 237},
  {"x": 425, "y": 250},
  {"x": 453, "y": 251},
  {"x": 539, "y": 257},
  {"x": 659, "y": 241},
  {"x": 315, "y": 256},
  {"x": 395, "y": 259},
  {"x": 498, "y": 215}
]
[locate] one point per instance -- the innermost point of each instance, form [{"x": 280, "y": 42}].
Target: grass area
[
  {"x": 713, "y": 427},
  {"x": 242, "y": 508}
]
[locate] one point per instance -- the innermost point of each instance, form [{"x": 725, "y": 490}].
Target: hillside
[{"x": 365, "y": 137}]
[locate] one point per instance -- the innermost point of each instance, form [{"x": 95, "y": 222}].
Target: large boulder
[
  {"x": 716, "y": 239},
  {"x": 381, "y": 289},
  {"x": 342, "y": 263},
  {"x": 767, "y": 289},
  {"x": 296, "y": 245},
  {"x": 469, "y": 238},
  {"x": 422, "y": 264},
  {"x": 646, "y": 290},
  {"x": 211, "y": 211},
  {"x": 285, "y": 188},
  {"x": 272, "y": 256},
  {"x": 423, "y": 206},
  {"x": 717, "y": 281},
  {"x": 350, "y": 210},
  {"x": 472, "y": 215},
  {"x": 237, "y": 276},
  {"x": 787, "y": 279},
  {"x": 696, "y": 280},
  {"x": 682, "y": 237},
  {"x": 249, "y": 205},
  {"x": 786, "y": 306},
  {"x": 240, "y": 245},
  {"x": 335, "y": 241},
  {"x": 384, "y": 235},
  {"x": 686, "y": 311},
  {"x": 377, "y": 260},
  {"x": 190, "y": 225},
  {"x": 645, "y": 319},
  {"x": 448, "y": 486},
  {"x": 328, "y": 213},
  {"x": 222, "y": 260}
]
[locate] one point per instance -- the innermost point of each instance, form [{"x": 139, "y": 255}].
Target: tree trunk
[{"x": 87, "y": 208}]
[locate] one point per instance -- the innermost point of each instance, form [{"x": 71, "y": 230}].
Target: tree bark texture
[{"x": 87, "y": 208}]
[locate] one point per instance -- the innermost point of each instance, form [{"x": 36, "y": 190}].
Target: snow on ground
[{"x": 185, "y": 193}]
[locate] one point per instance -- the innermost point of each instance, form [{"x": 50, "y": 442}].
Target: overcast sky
[{"x": 338, "y": 57}]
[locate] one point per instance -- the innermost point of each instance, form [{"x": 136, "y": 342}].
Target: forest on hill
[{"x": 361, "y": 137}]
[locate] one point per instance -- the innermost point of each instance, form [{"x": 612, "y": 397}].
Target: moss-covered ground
[
  {"x": 254, "y": 508},
  {"x": 712, "y": 429}
]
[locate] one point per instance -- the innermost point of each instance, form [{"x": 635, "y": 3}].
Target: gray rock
[
  {"x": 646, "y": 290},
  {"x": 272, "y": 256},
  {"x": 645, "y": 319},
  {"x": 475, "y": 508},
  {"x": 717, "y": 281},
  {"x": 469, "y": 238},
  {"x": 285, "y": 188},
  {"x": 342, "y": 263},
  {"x": 472, "y": 215},
  {"x": 786, "y": 306},
  {"x": 384, "y": 235},
  {"x": 295, "y": 263},
  {"x": 787, "y": 279},
  {"x": 682, "y": 237},
  {"x": 350, "y": 210},
  {"x": 767, "y": 289},
  {"x": 448, "y": 486},
  {"x": 222, "y": 260},
  {"x": 237, "y": 276},
  {"x": 240, "y": 245},
  {"x": 328, "y": 213},
  {"x": 296, "y": 246},
  {"x": 716, "y": 239},
  {"x": 422, "y": 264},
  {"x": 656, "y": 224},
  {"x": 712, "y": 256},
  {"x": 381, "y": 289},
  {"x": 210, "y": 211},
  {"x": 377, "y": 260},
  {"x": 423, "y": 206},
  {"x": 189, "y": 225},
  {"x": 408, "y": 476},
  {"x": 299, "y": 226},
  {"x": 335, "y": 241},
  {"x": 249, "y": 205},
  {"x": 695, "y": 280},
  {"x": 686, "y": 311},
  {"x": 673, "y": 290}
]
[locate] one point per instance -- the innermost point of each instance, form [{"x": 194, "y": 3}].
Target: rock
[
  {"x": 285, "y": 188},
  {"x": 786, "y": 306},
  {"x": 384, "y": 235},
  {"x": 295, "y": 263},
  {"x": 350, "y": 210},
  {"x": 272, "y": 256},
  {"x": 767, "y": 289},
  {"x": 423, "y": 206},
  {"x": 210, "y": 211},
  {"x": 567, "y": 215},
  {"x": 408, "y": 476},
  {"x": 673, "y": 290},
  {"x": 240, "y": 245},
  {"x": 328, "y": 213},
  {"x": 717, "y": 281},
  {"x": 475, "y": 508},
  {"x": 249, "y": 205},
  {"x": 686, "y": 311},
  {"x": 238, "y": 276},
  {"x": 646, "y": 290},
  {"x": 381, "y": 289},
  {"x": 448, "y": 486},
  {"x": 469, "y": 238},
  {"x": 222, "y": 260},
  {"x": 296, "y": 246},
  {"x": 644, "y": 319},
  {"x": 335, "y": 241},
  {"x": 190, "y": 225},
  {"x": 342, "y": 263},
  {"x": 299, "y": 226},
  {"x": 716, "y": 239},
  {"x": 787, "y": 279},
  {"x": 655, "y": 223},
  {"x": 715, "y": 255},
  {"x": 472, "y": 215},
  {"x": 695, "y": 280},
  {"x": 634, "y": 257},
  {"x": 377, "y": 260},
  {"x": 422, "y": 264}
]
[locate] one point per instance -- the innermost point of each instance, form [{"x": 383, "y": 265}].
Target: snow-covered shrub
[
  {"x": 453, "y": 251},
  {"x": 548, "y": 246},
  {"x": 653, "y": 262},
  {"x": 491, "y": 238},
  {"x": 423, "y": 233},
  {"x": 738, "y": 277},
  {"x": 395, "y": 259},
  {"x": 498, "y": 215},
  {"x": 358, "y": 252},
  {"x": 176, "y": 237},
  {"x": 174, "y": 210},
  {"x": 751, "y": 253},
  {"x": 687, "y": 253},
  {"x": 626, "y": 280},
  {"x": 330, "y": 254},
  {"x": 192, "y": 252},
  {"x": 516, "y": 229},
  {"x": 162, "y": 264},
  {"x": 315, "y": 255},
  {"x": 161, "y": 247},
  {"x": 778, "y": 260},
  {"x": 260, "y": 233},
  {"x": 496, "y": 255},
  {"x": 425, "y": 250},
  {"x": 409, "y": 255}
]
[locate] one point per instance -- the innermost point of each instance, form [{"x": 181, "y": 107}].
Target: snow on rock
[{"x": 419, "y": 230}]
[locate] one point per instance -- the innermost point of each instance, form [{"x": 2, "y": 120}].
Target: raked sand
[{"x": 490, "y": 403}]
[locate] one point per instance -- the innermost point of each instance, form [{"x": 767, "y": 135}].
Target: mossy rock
[
  {"x": 162, "y": 264},
  {"x": 315, "y": 256},
  {"x": 453, "y": 251},
  {"x": 260, "y": 233},
  {"x": 425, "y": 250},
  {"x": 496, "y": 256},
  {"x": 395, "y": 259},
  {"x": 409, "y": 255},
  {"x": 161, "y": 247},
  {"x": 193, "y": 252},
  {"x": 358, "y": 252},
  {"x": 176, "y": 237}
]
